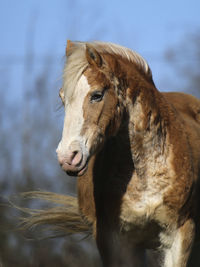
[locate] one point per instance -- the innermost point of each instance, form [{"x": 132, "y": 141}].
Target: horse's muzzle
[{"x": 73, "y": 162}]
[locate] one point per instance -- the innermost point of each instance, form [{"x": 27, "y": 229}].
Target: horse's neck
[
  {"x": 107, "y": 177},
  {"x": 148, "y": 116}
]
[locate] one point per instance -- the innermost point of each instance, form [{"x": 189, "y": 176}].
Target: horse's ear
[
  {"x": 93, "y": 57},
  {"x": 70, "y": 44}
]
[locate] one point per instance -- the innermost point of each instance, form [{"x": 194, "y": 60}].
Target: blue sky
[{"x": 149, "y": 27}]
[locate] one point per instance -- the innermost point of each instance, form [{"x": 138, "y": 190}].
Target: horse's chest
[
  {"x": 143, "y": 200},
  {"x": 139, "y": 211},
  {"x": 142, "y": 205},
  {"x": 142, "y": 220}
]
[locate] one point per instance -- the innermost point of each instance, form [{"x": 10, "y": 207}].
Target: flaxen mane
[{"x": 77, "y": 62}]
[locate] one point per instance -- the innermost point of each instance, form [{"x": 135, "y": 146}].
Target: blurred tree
[
  {"x": 37, "y": 134},
  {"x": 29, "y": 132},
  {"x": 184, "y": 60}
]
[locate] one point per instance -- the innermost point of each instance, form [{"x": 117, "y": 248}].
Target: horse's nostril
[
  {"x": 75, "y": 152},
  {"x": 72, "y": 158},
  {"x": 77, "y": 158}
]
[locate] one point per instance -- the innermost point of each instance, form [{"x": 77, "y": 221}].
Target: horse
[{"x": 136, "y": 153}]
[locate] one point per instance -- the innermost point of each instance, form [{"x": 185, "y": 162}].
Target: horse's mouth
[{"x": 79, "y": 172}]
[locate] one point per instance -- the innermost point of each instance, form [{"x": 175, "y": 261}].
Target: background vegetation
[{"x": 30, "y": 128}]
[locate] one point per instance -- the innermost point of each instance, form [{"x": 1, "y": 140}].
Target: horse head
[{"x": 94, "y": 105}]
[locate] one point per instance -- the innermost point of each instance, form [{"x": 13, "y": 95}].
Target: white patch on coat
[
  {"x": 74, "y": 120},
  {"x": 173, "y": 255}
]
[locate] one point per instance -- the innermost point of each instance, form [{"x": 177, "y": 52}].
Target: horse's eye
[{"x": 96, "y": 96}]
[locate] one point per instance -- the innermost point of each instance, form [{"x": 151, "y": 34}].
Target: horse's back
[
  {"x": 188, "y": 108},
  {"x": 187, "y": 105}
]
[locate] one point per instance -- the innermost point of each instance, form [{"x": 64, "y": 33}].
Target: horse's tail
[{"x": 64, "y": 218}]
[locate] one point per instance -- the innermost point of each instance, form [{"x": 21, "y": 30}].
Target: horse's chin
[
  {"x": 78, "y": 173},
  {"x": 81, "y": 172}
]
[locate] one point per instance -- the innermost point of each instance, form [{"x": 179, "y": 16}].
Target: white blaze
[{"x": 74, "y": 120}]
